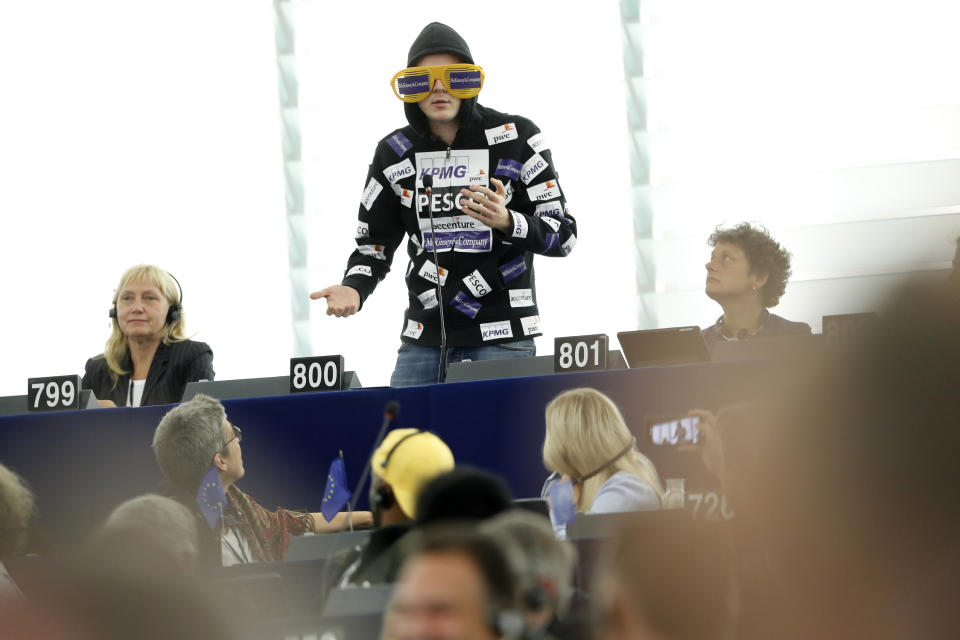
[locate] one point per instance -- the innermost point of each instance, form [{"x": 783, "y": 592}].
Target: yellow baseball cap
[{"x": 406, "y": 460}]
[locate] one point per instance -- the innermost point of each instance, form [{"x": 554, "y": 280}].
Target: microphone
[
  {"x": 442, "y": 366},
  {"x": 390, "y": 413}
]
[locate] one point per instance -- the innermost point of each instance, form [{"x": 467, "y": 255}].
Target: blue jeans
[{"x": 417, "y": 365}]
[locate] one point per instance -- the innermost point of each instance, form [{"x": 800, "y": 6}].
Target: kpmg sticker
[
  {"x": 519, "y": 225},
  {"x": 512, "y": 269},
  {"x": 414, "y": 329},
  {"x": 399, "y": 143},
  {"x": 464, "y": 303},
  {"x": 553, "y": 209},
  {"x": 531, "y": 325},
  {"x": 547, "y": 190},
  {"x": 538, "y": 143},
  {"x": 476, "y": 284},
  {"x": 370, "y": 193},
  {"x": 397, "y": 172},
  {"x": 508, "y": 168},
  {"x": 495, "y": 330},
  {"x": 428, "y": 298},
  {"x": 521, "y": 297},
  {"x": 429, "y": 272},
  {"x": 501, "y": 134},
  {"x": 532, "y": 168},
  {"x": 459, "y": 168},
  {"x": 360, "y": 270},
  {"x": 375, "y": 250}
]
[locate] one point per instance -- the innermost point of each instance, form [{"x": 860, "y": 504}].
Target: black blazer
[{"x": 172, "y": 368}]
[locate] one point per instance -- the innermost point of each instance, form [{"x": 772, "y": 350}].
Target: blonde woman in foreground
[{"x": 588, "y": 443}]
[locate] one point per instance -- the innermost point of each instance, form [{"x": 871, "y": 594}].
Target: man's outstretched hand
[{"x": 342, "y": 301}]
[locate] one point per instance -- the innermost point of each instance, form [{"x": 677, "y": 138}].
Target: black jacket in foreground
[
  {"x": 172, "y": 368},
  {"x": 489, "y": 295}
]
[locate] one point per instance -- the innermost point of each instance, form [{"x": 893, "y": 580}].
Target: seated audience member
[
  {"x": 16, "y": 509},
  {"x": 405, "y": 461},
  {"x": 465, "y": 493},
  {"x": 857, "y": 486},
  {"x": 455, "y": 584},
  {"x": 149, "y": 528},
  {"x": 747, "y": 274},
  {"x": 148, "y": 359},
  {"x": 193, "y": 438},
  {"x": 588, "y": 443},
  {"x": 666, "y": 578},
  {"x": 544, "y": 570}
]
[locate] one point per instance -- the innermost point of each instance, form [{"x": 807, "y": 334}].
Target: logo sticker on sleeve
[
  {"x": 568, "y": 246},
  {"x": 544, "y": 191},
  {"x": 370, "y": 193},
  {"x": 399, "y": 143},
  {"x": 375, "y": 250},
  {"x": 464, "y": 303},
  {"x": 429, "y": 272},
  {"x": 501, "y": 134},
  {"x": 406, "y": 197},
  {"x": 553, "y": 209},
  {"x": 553, "y": 222},
  {"x": 550, "y": 242},
  {"x": 428, "y": 298},
  {"x": 397, "y": 172},
  {"x": 521, "y": 297},
  {"x": 363, "y": 230},
  {"x": 496, "y": 330},
  {"x": 538, "y": 143},
  {"x": 513, "y": 269},
  {"x": 508, "y": 168},
  {"x": 360, "y": 270},
  {"x": 531, "y": 325},
  {"x": 532, "y": 168},
  {"x": 519, "y": 225},
  {"x": 476, "y": 284},
  {"x": 414, "y": 329}
]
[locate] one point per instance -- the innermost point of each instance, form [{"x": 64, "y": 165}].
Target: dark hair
[
  {"x": 466, "y": 493},
  {"x": 499, "y": 580},
  {"x": 764, "y": 254}
]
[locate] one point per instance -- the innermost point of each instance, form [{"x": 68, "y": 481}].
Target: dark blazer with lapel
[{"x": 172, "y": 368}]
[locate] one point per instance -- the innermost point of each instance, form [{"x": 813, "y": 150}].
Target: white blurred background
[{"x": 135, "y": 132}]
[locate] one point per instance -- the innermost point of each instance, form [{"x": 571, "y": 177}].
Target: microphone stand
[
  {"x": 389, "y": 415},
  {"x": 442, "y": 366}
]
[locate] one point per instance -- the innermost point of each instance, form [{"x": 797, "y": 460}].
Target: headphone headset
[
  {"x": 383, "y": 497},
  {"x": 173, "y": 313}
]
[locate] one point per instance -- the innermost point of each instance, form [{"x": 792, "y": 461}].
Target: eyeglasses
[
  {"x": 236, "y": 436},
  {"x": 413, "y": 84}
]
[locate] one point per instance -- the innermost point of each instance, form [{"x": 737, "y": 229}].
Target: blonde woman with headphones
[
  {"x": 588, "y": 443},
  {"x": 148, "y": 359}
]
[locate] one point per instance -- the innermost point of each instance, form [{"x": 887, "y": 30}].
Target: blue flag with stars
[
  {"x": 335, "y": 494},
  {"x": 211, "y": 497}
]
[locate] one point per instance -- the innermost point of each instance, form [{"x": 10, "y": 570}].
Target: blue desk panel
[{"x": 82, "y": 463}]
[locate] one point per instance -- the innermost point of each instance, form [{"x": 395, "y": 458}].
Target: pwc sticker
[
  {"x": 375, "y": 250},
  {"x": 414, "y": 329},
  {"x": 501, "y": 134},
  {"x": 429, "y": 272},
  {"x": 547, "y": 190}
]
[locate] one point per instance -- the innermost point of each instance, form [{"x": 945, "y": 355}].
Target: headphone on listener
[
  {"x": 383, "y": 497},
  {"x": 173, "y": 313}
]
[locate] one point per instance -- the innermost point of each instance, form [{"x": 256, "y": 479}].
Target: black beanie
[{"x": 438, "y": 38}]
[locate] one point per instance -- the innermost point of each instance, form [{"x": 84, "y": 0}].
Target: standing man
[{"x": 476, "y": 193}]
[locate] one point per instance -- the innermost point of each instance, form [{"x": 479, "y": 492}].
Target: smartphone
[{"x": 672, "y": 432}]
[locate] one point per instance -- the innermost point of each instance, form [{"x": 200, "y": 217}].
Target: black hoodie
[{"x": 487, "y": 275}]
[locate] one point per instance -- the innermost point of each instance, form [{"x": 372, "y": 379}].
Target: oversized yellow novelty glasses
[{"x": 413, "y": 84}]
